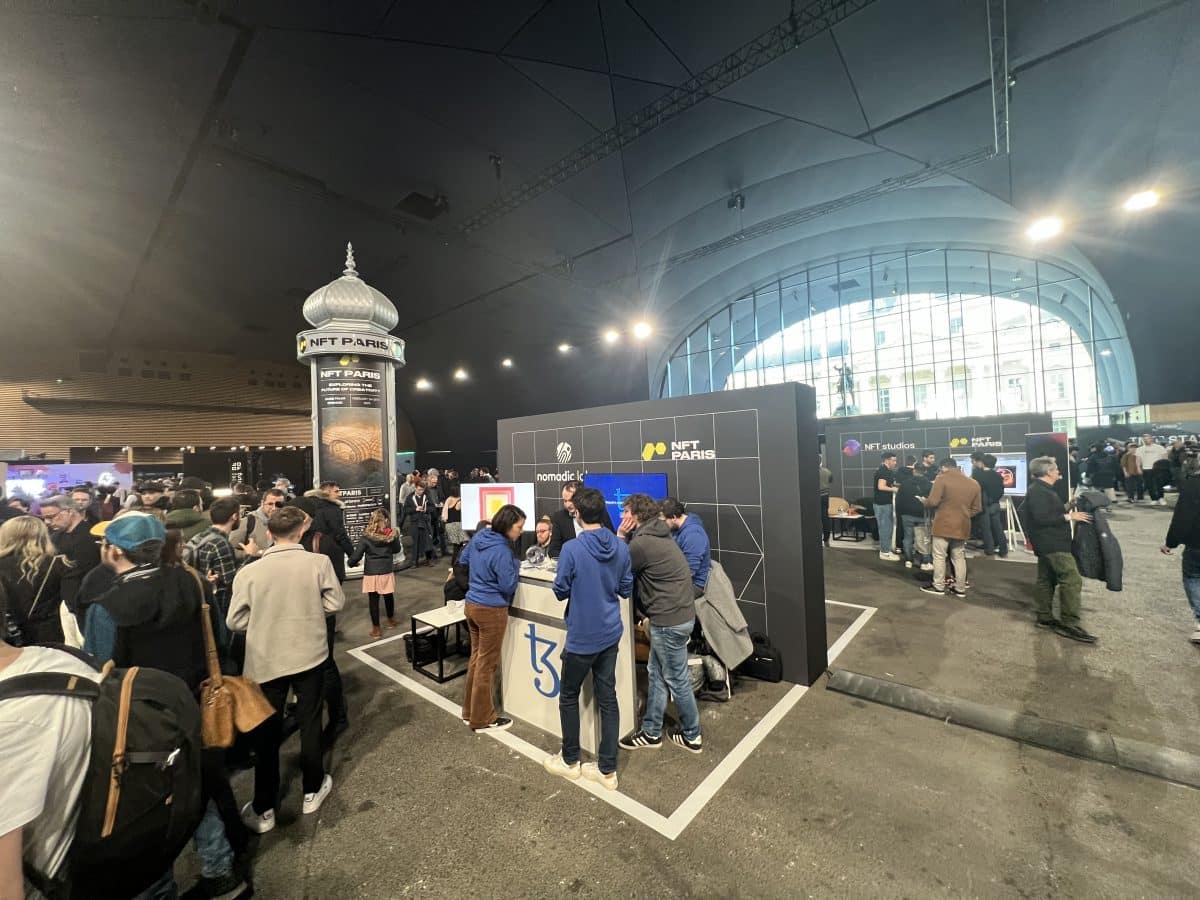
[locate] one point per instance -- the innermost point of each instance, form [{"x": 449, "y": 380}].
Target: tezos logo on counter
[{"x": 679, "y": 450}]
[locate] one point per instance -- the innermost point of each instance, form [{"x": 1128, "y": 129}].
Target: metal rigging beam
[
  {"x": 997, "y": 14},
  {"x": 816, "y": 18}
]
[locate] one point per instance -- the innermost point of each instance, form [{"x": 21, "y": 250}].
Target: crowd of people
[
  {"x": 266, "y": 568},
  {"x": 126, "y": 583},
  {"x": 925, "y": 512}
]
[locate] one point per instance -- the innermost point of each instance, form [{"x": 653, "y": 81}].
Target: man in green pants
[{"x": 1050, "y": 533}]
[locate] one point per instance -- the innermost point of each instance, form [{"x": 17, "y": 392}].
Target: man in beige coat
[
  {"x": 281, "y": 602},
  {"x": 956, "y": 499}
]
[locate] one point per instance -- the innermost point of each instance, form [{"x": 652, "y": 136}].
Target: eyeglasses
[{"x": 271, "y": 503}]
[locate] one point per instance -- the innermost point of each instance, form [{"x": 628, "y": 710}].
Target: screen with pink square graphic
[{"x": 482, "y": 501}]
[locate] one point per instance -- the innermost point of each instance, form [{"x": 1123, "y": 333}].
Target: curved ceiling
[{"x": 173, "y": 177}]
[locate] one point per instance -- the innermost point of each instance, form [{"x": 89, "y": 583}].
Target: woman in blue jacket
[{"x": 492, "y": 572}]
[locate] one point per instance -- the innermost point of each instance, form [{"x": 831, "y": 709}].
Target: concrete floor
[{"x": 842, "y": 799}]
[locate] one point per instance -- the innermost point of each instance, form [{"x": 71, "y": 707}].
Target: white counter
[{"x": 530, "y": 663}]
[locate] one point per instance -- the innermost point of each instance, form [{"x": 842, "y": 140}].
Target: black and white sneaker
[
  {"x": 930, "y": 589},
  {"x": 501, "y": 724},
  {"x": 639, "y": 740},
  {"x": 696, "y": 746}
]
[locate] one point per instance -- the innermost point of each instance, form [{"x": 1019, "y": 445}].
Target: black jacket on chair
[{"x": 1096, "y": 550}]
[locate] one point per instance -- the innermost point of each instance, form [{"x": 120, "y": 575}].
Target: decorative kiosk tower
[{"x": 353, "y": 359}]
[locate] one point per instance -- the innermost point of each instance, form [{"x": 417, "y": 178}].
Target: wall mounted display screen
[
  {"x": 1012, "y": 467},
  {"x": 616, "y": 488},
  {"x": 482, "y": 501}
]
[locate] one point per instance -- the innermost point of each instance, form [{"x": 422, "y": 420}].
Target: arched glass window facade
[{"x": 945, "y": 332}]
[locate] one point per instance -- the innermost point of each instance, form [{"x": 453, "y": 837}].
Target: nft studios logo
[{"x": 679, "y": 450}]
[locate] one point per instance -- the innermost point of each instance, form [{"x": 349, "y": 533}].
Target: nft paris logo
[{"x": 678, "y": 450}]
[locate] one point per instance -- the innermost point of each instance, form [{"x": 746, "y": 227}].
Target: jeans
[
  {"x": 216, "y": 856},
  {"x": 667, "y": 669},
  {"x": 991, "y": 526},
  {"x": 309, "y": 687},
  {"x": 910, "y": 524},
  {"x": 1058, "y": 570},
  {"x": 603, "y": 666},
  {"x": 1134, "y": 488},
  {"x": 1191, "y": 579},
  {"x": 957, "y": 550},
  {"x": 487, "y": 625},
  {"x": 884, "y": 514}
]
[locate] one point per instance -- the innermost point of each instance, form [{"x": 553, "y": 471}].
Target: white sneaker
[
  {"x": 889, "y": 557},
  {"x": 592, "y": 772},
  {"x": 926, "y": 567},
  {"x": 1162, "y": 502},
  {"x": 908, "y": 564},
  {"x": 259, "y": 824},
  {"x": 312, "y": 802},
  {"x": 556, "y": 766},
  {"x": 1195, "y": 639}
]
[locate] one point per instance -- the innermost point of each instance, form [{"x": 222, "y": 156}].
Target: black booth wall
[
  {"x": 854, "y": 446},
  {"x": 757, "y": 502}
]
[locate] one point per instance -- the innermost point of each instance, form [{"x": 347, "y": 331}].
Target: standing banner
[
  {"x": 351, "y": 422},
  {"x": 1052, "y": 443}
]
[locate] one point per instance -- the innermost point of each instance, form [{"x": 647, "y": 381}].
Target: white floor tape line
[{"x": 669, "y": 827}]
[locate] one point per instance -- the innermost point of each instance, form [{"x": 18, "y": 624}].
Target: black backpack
[
  {"x": 141, "y": 798},
  {"x": 764, "y": 663}
]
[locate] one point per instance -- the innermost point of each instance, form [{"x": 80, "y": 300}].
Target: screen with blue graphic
[{"x": 616, "y": 488}]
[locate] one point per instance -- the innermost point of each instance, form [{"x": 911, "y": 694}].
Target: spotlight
[
  {"x": 97, "y": 449},
  {"x": 642, "y": 330},
  {"x": 1106, "y": 352},
  {"x": 261, "y": 447},
  {"x": 610, "y": 337},
  {"x": 506, "y": 362},
  {"x": 58, "y": 381},
  {"x": 212, "y": 448},
  {"x": 1141, "y": 200},
  {"x": 424, "y": 384},
  {"x": 460, "y": 374},
  {"x": 1044, "y": 228},
  {"x": 156, "y": 449},
  {"x": 564, "y": 348}
]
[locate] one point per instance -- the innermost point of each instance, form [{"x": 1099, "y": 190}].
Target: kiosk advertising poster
[{"x": 351, "y": 420}]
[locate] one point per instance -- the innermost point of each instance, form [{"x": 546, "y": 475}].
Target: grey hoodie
[{"x": 661, "y": 576}]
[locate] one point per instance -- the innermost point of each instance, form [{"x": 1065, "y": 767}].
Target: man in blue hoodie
[
  {"x": 692, "y": 540},
  {"x": 594, "y": 572}
]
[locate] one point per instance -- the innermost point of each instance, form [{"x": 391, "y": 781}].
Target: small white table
[{"x": 440, "y": 619}]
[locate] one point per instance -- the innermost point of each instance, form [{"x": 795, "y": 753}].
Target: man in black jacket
[
  {"x": 73, "y": 539},
  {"x": 912, "y": 515},
  {"x": 991, "y": 519},
  {"x": 1050, "y": 533},
  {"x": 566, "y": 526},
  {"x": 1185, "y": 530},
  {"x": 662, "y": 590},
  {"x": 329, "y": 521}
]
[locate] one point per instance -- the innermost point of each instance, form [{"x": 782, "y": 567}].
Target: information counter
[{"x": 531, "y": 664}]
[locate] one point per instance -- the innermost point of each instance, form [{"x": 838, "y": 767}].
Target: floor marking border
[{"x": 671, "y": 826}]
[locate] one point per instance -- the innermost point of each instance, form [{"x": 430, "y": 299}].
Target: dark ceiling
[{"x": 184, "y": 174}]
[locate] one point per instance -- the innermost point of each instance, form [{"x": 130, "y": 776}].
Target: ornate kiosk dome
[{"x": 352, "y": 301}]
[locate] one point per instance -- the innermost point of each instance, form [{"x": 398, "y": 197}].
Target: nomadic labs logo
[{"x": 678, "y": 450}]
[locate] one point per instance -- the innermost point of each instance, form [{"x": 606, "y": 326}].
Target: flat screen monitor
[
  {"x": 616, "y": 488},
  {"x": 481, "y": 501},
  {"x": 1012, "y": 467}
]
